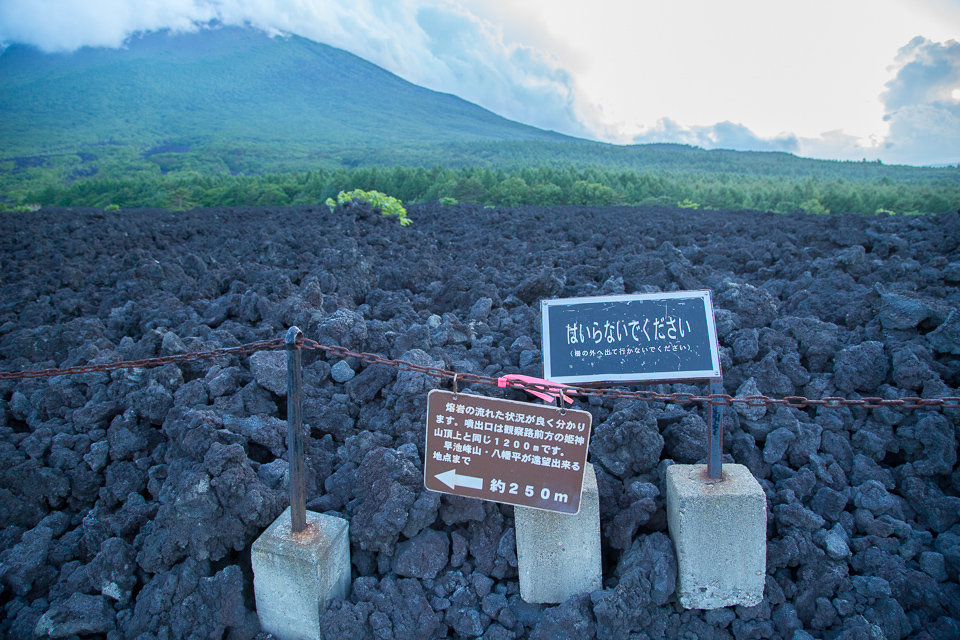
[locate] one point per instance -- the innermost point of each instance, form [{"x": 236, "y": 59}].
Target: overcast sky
[{"x": 838, "y": 79}]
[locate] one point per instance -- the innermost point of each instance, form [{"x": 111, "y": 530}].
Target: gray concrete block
[
  {"x": 558, "y": 554},
  {"x": 719, "y": 529},
  {"x": 295, "y": 574}
]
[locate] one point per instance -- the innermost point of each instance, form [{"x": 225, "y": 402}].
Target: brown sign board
[{"x": 517, "y": 453}]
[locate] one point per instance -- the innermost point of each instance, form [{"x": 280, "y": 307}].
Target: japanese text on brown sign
[{"x": 505, "y": 451}]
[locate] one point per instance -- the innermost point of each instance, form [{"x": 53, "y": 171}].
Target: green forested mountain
[
  {"x": 222, "y": 105},
  {"x": 226, "y": 86},
  {"x": 224, "y": 99}
]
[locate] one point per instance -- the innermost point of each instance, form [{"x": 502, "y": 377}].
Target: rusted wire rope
[{"x": 722, "y": 399}]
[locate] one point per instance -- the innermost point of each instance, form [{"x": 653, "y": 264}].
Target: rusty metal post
[
  {"x": 715, "y": 433},
  {"x": 298, "y": 506}
]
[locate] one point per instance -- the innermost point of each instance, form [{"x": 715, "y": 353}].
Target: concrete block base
[
  {"x": 294, "y": 574},
  {"x": 719, "y": 529},
  {"x": 558, "y": 554}
]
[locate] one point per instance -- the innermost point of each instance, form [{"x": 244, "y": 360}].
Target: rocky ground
[{"x": 129, "y": 500}]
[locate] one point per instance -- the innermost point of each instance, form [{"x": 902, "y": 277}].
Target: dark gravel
[{"x": 129, "y": 500}]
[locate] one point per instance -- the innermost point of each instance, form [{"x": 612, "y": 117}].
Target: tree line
[{"x": 544, "y": 186}]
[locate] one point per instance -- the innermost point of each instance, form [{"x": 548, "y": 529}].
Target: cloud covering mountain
[
  {"x": 436, "y": 44},
  {"x": 499, "y": 59}
]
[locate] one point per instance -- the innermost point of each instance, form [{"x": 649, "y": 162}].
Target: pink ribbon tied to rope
[{"x": 546, "y": 396}]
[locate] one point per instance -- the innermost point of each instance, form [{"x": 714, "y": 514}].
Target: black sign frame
[{"x": 645, "y": 332}]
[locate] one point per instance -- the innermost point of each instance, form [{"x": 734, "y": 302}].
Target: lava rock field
[{"x": 129, "y": 500}]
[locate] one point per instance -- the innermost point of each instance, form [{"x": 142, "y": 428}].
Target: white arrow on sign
[{"x": 453, "y": 480}]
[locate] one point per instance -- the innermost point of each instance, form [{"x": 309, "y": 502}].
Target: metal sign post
[
  {"x": 298, "y": 505},
  {"x": 715, "y": 433}
]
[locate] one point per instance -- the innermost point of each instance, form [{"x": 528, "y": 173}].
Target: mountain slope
[
  {"x": 236, "y": 101},
  {"x": 226, "y": 85}
]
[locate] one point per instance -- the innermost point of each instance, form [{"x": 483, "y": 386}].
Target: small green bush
[
  {"x": 386, "y": 205},
  {"x": 448, "y": 201},
  {"x": 112, "y": 207},
  {"x": 687, "y": 203},
  {"x": 19, "y": 208},
  {"x": 814, "y": 206}
]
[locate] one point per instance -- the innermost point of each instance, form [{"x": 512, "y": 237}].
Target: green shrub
[
  {"x": 386, "y": 205},
  {"x": 112, "y": 207},
  {"x": 19, "y": 208},
  {"x": 448, "y": 201},
  {"x": 813, "y": 206},
  {"x": 687, "y": 203}
]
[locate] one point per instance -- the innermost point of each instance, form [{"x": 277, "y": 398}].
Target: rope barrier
[
  {"x": 252, "y": 347},
  {"x": 722, "y": 399}
]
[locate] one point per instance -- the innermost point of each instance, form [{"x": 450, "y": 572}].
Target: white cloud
[
  {"x": 507, "y": 78},
  {"x": 923, "y": 134},
  {"x": 921, "y": 104},
  {"x": 839, "y": 145},
  {"x": 926, "y": 73},
  {"x": 66, "y": 25},
  {"x": 723, "y": 135},
  {"x": 831, "y": 145}
]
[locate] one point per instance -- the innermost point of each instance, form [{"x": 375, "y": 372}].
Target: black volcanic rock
[{"x": 129, "y": 499}]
